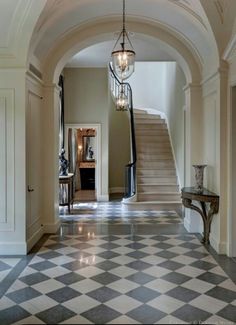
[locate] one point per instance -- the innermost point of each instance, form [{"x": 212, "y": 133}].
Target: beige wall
[
  {"x": 86, "y": 101},
  {"x": 119, "y": 147}
]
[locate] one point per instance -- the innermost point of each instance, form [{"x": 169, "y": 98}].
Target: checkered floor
[
  {"x": 115, "y": 213},
  {"x": 6, "y": 265},
  {"x": 120, "y": 279}
]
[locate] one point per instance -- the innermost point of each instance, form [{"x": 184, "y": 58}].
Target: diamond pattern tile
[
  {"x": 191, "y": 314},
  {"x": 55, "y": 315},
  {"x": 120, "y": 277},
  {"x": 12, "y": 315},
  {"x": 101, "y": 314},
  {"x": 146, "y": 314},
  {"x": 23, "y": 295},
  {"x": 143, "y": 294},
  {"x": 63, "y": 294},
  {"x": 103, "y": 294}
]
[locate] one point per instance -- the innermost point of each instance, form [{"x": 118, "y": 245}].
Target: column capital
[
  {"x": 52, "y": 87},
  {"x": 192, "y": 86}
]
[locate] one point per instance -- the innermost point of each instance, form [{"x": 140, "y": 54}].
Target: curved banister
[{"x": 130, "y": 169}]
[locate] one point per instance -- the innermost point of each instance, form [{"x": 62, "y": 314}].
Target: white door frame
[{"x": 98, "y": 169}]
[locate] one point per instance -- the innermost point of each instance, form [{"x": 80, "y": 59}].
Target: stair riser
[
  {"x": 158, "y": 197},
  {"x": 161, "y": 151},
  {"x": 149, "y": 157},
  {"x": 157, "y": 180},
  {"x": 152, "y": 138},
  {"x": 140, "y": 111},
  {"x": 156, "y": 172},
  {"x": 155, "y": 206},
  {"x": 153, "y": 164},
  {"x": 150, "y": 121},
  {"x": 151, "y": 133},
  {"x": 154, "y": 127},
  {"x": 153, "y": 145},
  {"x": 147, "y": 116},
  {"x": 157, "y": 188}
]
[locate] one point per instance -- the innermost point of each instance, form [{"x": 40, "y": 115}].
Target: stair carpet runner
[{"x": 156, "y": 172}]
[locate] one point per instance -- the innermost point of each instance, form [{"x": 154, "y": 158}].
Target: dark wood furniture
[
  {"x": 87, "y": 175},
  {"x": 67, "y": 180},
  {"x": 209, "y": 205}
]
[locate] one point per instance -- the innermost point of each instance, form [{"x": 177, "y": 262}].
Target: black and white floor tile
[
  {"x": 6, "y": 265},
  {"x": 115, "y": 213},
  {"x": 120, "y": 279}
]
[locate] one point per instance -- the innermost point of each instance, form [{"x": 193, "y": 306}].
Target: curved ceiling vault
[{"x": 186, "y": 20}]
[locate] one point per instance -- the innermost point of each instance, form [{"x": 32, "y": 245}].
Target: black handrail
[{"x": 130, "y": 169}]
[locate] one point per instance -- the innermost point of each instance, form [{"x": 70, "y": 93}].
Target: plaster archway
[{"x": 98, "y": 32}]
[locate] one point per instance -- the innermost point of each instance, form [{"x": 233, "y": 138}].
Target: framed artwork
[{"x": 88, "y": 148}]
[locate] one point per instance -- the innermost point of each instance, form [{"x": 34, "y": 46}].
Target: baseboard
[
  {"x": 34, "y": 239},
  {"x": 219, "y": 247},
  {"x": 103, "y": 198},
  {"x": 113, "y": 190},
  {"x": 192, "y": 222},
  {"x": 13, "y": 248},
  {"x": 51, "y": 228}
]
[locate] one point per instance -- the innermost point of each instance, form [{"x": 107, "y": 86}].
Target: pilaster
[{"x": 50, "y": 134}]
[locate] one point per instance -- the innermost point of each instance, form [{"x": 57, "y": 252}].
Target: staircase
[{"x": 156, "y": 172}]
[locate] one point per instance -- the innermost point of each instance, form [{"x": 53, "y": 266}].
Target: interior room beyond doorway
[{"x": 82, "y": 157}]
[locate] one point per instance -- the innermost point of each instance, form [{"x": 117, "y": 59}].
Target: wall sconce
[{"x": 80, "y": 148}]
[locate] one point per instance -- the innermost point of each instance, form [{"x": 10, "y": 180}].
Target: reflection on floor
[
  {"x": 109, "y": 265},
  {"x": 84, "y": 196}
]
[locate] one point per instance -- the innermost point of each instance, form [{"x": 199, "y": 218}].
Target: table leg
[
  {"x": 206, "y": 224},
  {"x": 69, "y": 195},
  {"x": 205, "y": 218}
]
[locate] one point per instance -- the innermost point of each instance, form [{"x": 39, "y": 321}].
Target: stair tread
[
  {"x": 157, "y": 202},
  {"x": 158, "y": 184},
  {"x": 160, "y": 193},
  {"x": 155, "y": 168}
]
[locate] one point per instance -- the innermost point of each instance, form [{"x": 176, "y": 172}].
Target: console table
[
  {"x": 68, "y": 180},
  {"x": 189, "y": 194}
]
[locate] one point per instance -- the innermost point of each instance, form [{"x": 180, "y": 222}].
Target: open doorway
[
  {"x": 82, "y": 163},
  {"x": 82, "y": 144}
]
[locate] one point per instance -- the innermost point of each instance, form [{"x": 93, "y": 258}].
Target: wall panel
[{"x": 7, "y": 170}]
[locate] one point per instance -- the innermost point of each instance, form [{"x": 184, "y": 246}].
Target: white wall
[
  {"x": 34, "y": 154},
  {"x": 231, "y": 231},
  {"x": 148, "y": 85},
  {"x": 174, "y": 103},
  {"x": 86, "y": 101},
  {"x": 214, "y": 152},
  {"x": 12, "y": 162}
]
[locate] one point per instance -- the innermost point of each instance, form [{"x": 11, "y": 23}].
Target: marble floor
[{"x": 112, "y": 265}]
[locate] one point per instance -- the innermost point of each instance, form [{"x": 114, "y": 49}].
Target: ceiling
[
  {"x": 36, "y": 29},
  {"x": 185, "y": 18},
  {"x": 99, "y": 54}
]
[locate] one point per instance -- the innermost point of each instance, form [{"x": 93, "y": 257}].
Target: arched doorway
[{"x": 85, "y": 37}]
